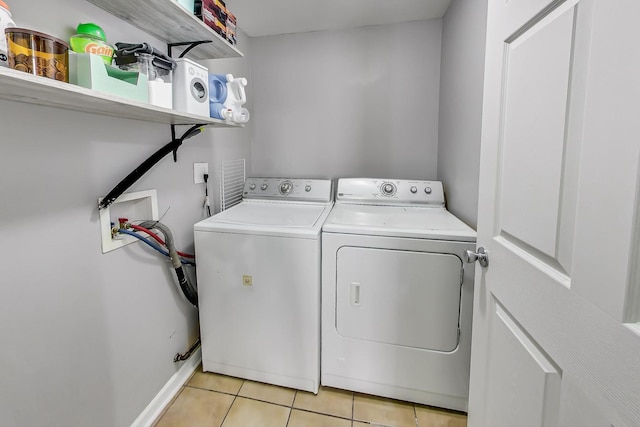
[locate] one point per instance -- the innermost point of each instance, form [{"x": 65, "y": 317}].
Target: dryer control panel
[
  {"x": 298, "y": 189},
  {"x": 390, "y": 192}
]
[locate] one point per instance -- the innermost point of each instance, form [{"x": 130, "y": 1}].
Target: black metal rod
[
  {"x": 144, "y": 167},
  {"x": 137, "y": 173}
]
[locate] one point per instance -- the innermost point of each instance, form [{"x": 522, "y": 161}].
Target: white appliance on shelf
[
  {"x": 396, "y": 296},
  {"x": 259, "y": 283},
  {"x": 191, "y": 87}
]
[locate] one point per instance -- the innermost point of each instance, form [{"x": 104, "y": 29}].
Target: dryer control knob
[
  {"x": 307, "y": 188},
  {"x": 427, "y": 190},
  {"x": 286, "y": 187},
  {"x": 263, "y": 187},
  {"x": 252, "y": 186},
  {"x": 414, "y": 189},
  {"x": 388, "y": 189}
]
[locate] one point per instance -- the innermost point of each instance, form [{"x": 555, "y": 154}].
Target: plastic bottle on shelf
[
  {"x": 217, "y": 95},
  {"x": 236, "y": 97},
  {"x": 6, "y": 21},
  {"x": 90, "y": 38},
  {"x": 226, "y": 97}
]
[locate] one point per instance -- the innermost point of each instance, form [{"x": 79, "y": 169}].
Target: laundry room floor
[{"x": 214, "y": 400}]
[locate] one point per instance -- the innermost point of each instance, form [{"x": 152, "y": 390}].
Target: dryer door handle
[
  {"x": 355, "y": 294},
  {"x": 482, "y": 256}
]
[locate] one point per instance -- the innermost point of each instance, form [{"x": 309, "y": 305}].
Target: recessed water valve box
[{"x": 135, "y": 206}]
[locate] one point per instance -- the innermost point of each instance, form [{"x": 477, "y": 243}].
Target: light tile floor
[{"x": 219, "y": 401}]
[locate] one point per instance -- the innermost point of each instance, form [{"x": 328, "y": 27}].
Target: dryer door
[{"x": 399, "y": 297}]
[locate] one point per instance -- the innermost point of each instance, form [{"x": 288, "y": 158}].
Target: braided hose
[{"x": 188, "y": 291}]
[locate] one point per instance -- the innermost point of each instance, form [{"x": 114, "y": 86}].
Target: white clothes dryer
[
  {"x": 396, "y": 296},
  {"x": 259, "y": 283}
]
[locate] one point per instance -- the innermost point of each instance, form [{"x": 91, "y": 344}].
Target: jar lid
[
  {"x": 91, "y": 29},
  {"x": 3, "y": 4},
  {"x": 16, "y": 30}
]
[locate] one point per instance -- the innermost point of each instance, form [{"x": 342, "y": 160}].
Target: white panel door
[{"x": 556, "y": 339}]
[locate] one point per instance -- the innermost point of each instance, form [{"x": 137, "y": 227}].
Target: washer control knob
[
  {"x": 264, "y": 187},
  {"x": 414, "y": 189},
  {"x": 388, "y": 189},
  {"x": 427, "y": 190},
  {"x": 286, "y": 187},
  {"x": 307, "y": 188},
  {"x": 252, "y": 186}
]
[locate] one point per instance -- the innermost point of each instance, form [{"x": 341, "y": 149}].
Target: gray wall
[
  {"x": 360, "y": 102},
  {"x": 461, "y": 82},
  {"x": 88, "y": 338},
  {"x": 231, "y": 143}
]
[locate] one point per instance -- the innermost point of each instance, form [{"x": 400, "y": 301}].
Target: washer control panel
[
  {"x": 390, "y": 191},
  {"x": 313, "y": 190}
]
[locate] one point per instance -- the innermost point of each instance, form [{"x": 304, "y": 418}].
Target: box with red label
[
  {"x": 214, "y": 14},
  {"x": 231, "y": 27}
]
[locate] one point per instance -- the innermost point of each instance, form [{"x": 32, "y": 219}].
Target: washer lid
[
  {"x": 401, "y": 221},
  {"x": 252, "y": 214}
]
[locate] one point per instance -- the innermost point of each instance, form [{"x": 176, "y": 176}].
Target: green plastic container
[
  {"x": 89, "y": 71},
  {"x": 90, "y": 38}
]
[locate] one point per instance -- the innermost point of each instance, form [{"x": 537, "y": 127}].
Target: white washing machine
[
  {"x": 396, "y": 296},
  {"x": 259, "y": 283}
]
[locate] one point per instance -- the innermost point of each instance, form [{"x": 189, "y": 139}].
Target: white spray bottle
[{"x": 236, "y": 97}]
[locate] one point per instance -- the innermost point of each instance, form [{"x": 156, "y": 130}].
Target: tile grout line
[
  {"x": 320, "y": 413},
  {"x": 228, "y": 410},
  {"x": 291, "y": 407},
  {"x": 215, "y": 391},
  {"x": 232, "y": 402},
  {"x": 353, "y": 407}
]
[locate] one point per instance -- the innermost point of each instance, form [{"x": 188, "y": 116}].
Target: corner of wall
[{"x": 461, "y": 88}]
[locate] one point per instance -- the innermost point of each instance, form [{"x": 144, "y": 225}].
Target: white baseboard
[{"x": 170, "y": 389}]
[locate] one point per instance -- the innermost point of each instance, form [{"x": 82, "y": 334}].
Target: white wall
[
  {"x": 88, "y": 338},
  {"x": 461, "y": 82},
  {"x": 360, "y": 102}
]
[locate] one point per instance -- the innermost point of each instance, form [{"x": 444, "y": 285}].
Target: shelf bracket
[
  {"x": 177, "y": 142},
  {"x": 190, "y": 44},
  {"x": 173, "y": 138}
]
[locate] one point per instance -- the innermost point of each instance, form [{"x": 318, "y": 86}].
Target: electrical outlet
[{"x": 199, "y": 169}]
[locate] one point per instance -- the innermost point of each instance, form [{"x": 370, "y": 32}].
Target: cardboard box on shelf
[
  {"x": 231, "y": 27},
  {"x": 221, "y": 9},
  {"x": 214, "y": 14}
]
